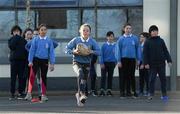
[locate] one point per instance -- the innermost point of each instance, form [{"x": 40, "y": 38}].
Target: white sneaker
[
  {"x": 44, "y": 98},
  {"x": 78, "y": 100},
  {"x": 83, "y": 99},
  {"x": 28, "y": 96}
]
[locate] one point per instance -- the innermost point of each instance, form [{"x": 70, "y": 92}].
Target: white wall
[
  {"x": 178, "y": 41},
  {"x": 61, "y": 70},
  {"x": 157, "y": 12}
]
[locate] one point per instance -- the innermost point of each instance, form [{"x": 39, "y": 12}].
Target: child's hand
[
  {"x": 51, "y": 67},
  {"x": 141, "y": 67},
  {"x": 91, "y": 51},
  {"x": 30, "y": 64},
  {"x": 147, "y": 66},
  {"x": 119, "y": 64},
  {"x": 76, "y": 52},
  {"x": 169, "y": 64},
  {"x": 102, "y": 66}
]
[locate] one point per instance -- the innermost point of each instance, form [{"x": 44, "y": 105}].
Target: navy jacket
[
  {"x": 17, "y": 48},
  {"x": 155, "y": 52}
]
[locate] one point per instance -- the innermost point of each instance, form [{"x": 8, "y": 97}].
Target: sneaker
[
  {"x": 21, "y": 96},
  {"x": 135, "y": 95},
  {"x": 108, "y": 93},
  {"x": 78, "y": 100},
  {"x": 164, "y": 98},
  {"x": 150, "y": 97},
  {"x": 102, "y": 93},
  {"x": 94, "y": 93},
  {"x": 12, "y": 97},
  {"x": 44, "y": 98},
  {"x": 83, "y": 99},
  {"x": 28, "y": 96}
]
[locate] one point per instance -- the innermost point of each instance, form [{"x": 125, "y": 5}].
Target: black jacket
[
  {"x": 17, "y": 48},
  {"x": 155, "y": 52}
]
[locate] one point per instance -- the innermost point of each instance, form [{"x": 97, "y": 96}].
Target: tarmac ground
[{"x": 66, "y": 104}]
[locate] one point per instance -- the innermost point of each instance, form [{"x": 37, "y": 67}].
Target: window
[
  {"x": 53, "y": 18},
  {"x": 22, "y": 19},
  {"x": 6, "y": 3},
  {"x": 113, "y": 20},
  {"x": 88, "y": 17},
  {"x": 6, "y": 22}
]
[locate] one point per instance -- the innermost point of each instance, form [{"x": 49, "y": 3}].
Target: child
[
  {"x": 41, "y": 51},
  {"x": 108, "y": 63},
  {"x": 155, "y": 54},
  {"x": 29, "y": 34},
  {"x": 18, "y": 55},
  {"x": 35, "y": 32},
  {"x": 81, "y": 63},
  {"x": 28, "y": 45},
  {"x": 127, "y": 57},
  {"x": 143, "y": 73}
]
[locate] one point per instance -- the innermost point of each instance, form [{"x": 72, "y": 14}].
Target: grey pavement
[{"x": 66, "y": 103}]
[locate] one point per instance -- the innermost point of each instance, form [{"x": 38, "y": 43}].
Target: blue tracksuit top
[
  {"x": 91, "y": 43},
  {"x": 127, "y": 47},
  {"x": 42, "y": 49},
  {"x": 107, "y": 53}
]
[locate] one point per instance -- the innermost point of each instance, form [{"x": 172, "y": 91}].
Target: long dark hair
[
  {"x": 16, "y": 27},
  {"x": 28, "y": 29},
  {"x": 127, "y": 24}
]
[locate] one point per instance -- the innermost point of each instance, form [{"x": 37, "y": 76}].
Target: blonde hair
[{"x": 84, "y": 25}]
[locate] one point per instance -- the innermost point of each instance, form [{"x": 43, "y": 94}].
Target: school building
[{"x": 64, "y": 17}]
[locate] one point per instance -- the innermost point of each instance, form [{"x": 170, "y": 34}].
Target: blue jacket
[
  {"x": 42, "y": 49},
  {"x": 127, "y": 47},
  {"x": 107, "y": 53},
  {"x": 91, "y": 43}
]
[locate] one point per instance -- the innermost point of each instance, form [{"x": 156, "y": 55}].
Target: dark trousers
[
  {"x": 93, "y": 76},
  {"x": 128, "y": 75},
  {"x": 121, "y": 81},
  {"x": 26, "y": 73},
  {"x": 143, "y": 80},
  {"x": 17, "y": 71},
  {"x": 160, "y": 70},
  {"x": 107, "y": 72},
  {"x": 82, "y": 71},
  {"x": 42, "y": 65}
]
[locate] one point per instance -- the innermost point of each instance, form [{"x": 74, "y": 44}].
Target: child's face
[
  {"x": 154, "y": 33},
  {"x": 16, "y": 32},
  {"x": 85, "y": 32},
  {"x": 142, "y": 38},
  {"x": 128, "y": 30},
  {"x": 43, "y": 31},
  {"x": 35, "y": 33},
  {"x": 110, "y": 38},
  {"x": 29, "y": 35}
]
